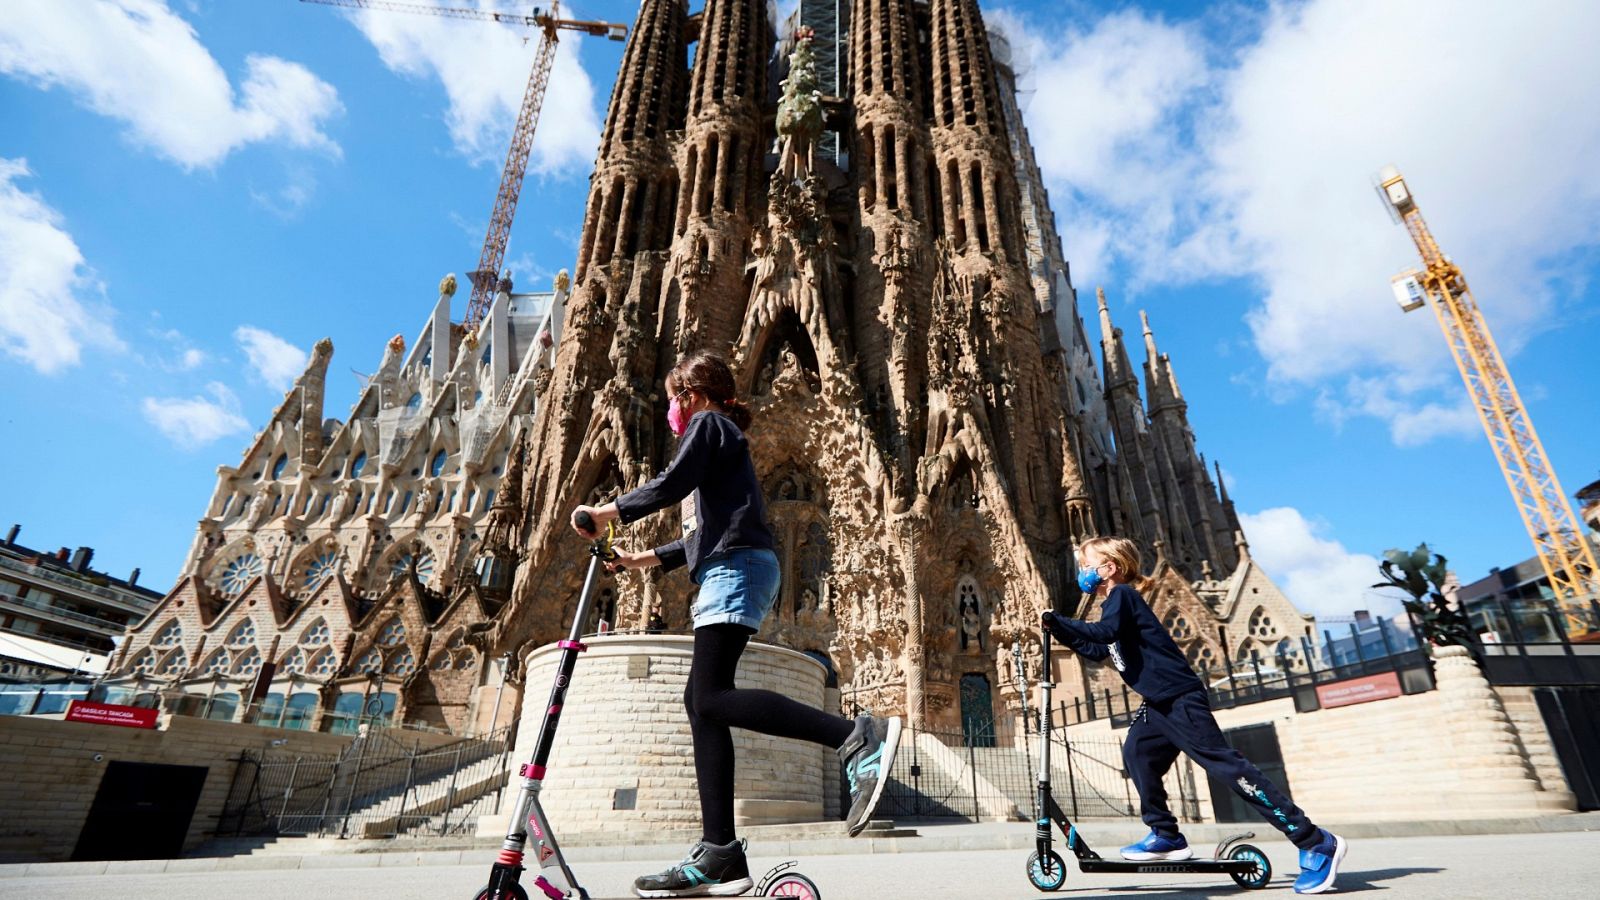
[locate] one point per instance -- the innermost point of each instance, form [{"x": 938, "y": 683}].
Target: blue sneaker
[
  {"x": 1154, "y": 846},
  {"x": 1319, "y": 865}
]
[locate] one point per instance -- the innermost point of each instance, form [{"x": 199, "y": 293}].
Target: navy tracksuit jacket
[{"x": 1176, "y": 715}]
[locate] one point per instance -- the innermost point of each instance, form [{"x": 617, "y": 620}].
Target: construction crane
[
  {"x": 486, "y": 276},
  {"x": 1564, "y": 552}
]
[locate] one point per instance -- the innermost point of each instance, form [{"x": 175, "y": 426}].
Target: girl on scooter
[
  {"x": 1175, "y": 717},
  {"x": 728, "y": 550}
]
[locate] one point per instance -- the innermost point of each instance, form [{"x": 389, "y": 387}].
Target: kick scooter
[
  {"x": 556, "y": 880},
  {"x": 1244, "y": 863}
]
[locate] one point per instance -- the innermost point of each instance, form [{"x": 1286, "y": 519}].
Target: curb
[{"x": 989, "y": 836}]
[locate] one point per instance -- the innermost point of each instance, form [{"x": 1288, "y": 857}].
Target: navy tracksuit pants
[{"x": 1184, "y": 724}]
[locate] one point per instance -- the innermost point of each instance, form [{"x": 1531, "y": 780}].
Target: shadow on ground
[{"x": 1368, "y": 880}]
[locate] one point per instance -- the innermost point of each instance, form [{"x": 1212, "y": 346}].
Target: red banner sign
[
  {"x": 1359, "y": 690},
  {"x": 112, "y": 714}
]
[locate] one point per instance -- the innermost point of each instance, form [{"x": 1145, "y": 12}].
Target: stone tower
[{"x": 921, "y": 469}]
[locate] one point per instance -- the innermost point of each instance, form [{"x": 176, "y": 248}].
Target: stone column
[{"x": 910, "y": 526}]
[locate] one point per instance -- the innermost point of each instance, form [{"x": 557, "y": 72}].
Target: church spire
[
  {"x": 1119, "y": 369},
  {"x": 634, "y": 187}
]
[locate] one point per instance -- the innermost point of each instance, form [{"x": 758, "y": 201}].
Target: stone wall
[
  {"x": 52, "y": 774},
  {"x": 623, "y": 728},
  {"x": 1448, "y": 753}
]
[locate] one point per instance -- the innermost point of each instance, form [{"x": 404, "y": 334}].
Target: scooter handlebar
[{"x": 585, "y": 521}]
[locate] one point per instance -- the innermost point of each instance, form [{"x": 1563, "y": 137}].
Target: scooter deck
[{"x": 1168, "y": 866}]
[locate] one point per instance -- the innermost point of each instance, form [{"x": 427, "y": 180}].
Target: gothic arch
[{"x": 784, "y": 332}]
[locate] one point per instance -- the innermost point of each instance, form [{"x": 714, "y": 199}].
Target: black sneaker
[
  {"x": 868, "y": 755},
  {"x": 708, "y": 871}
]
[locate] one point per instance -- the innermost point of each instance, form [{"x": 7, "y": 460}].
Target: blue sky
[{"x": 192, "y": 192}]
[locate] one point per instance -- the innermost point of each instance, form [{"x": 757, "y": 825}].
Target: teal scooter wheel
[
  {"x": 1257, "y": 877},
  {"x": 1051, "y": 880}
]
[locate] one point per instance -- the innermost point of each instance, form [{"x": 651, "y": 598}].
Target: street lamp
[{"x": 373, "y": 678}]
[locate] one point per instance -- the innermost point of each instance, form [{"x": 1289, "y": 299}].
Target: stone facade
[
  {"x": 345, "y": 562},
  {"x": 54, "y": 769},
  {"x": 859, "y": 224}
]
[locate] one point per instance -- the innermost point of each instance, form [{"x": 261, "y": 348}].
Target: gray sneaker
[
  {"x": 709, "y": 870},
  {"x": 868, "y": 757}
]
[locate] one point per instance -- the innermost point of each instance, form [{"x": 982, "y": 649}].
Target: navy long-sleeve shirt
[
  {"x": 714, "y": 481},
  {"x": 1139, "y": 646}
]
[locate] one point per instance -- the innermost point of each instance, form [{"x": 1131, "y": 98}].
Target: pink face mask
[{"x": 677, "y": 419}]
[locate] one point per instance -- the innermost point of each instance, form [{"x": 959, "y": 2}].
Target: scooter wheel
[
  {"x": 1257, "y": 877},
  {"x": 793, "y": 884},
  {"x": 1043, "y": 880},
  {"x": 514, "y": 893}
]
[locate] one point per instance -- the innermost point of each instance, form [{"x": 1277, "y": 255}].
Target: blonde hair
[{"x": 1124, "y": 553}]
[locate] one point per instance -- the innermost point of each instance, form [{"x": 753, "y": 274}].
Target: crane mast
[
  {"x": 1564, "y": 552},
  {"x": 486, "y": 277}
]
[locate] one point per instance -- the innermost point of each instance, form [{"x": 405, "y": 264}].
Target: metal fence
[
  {"x": 991, "y": 771},
  {"x": 1238, "y": 685},
  {"x": 381, "y": 786}
]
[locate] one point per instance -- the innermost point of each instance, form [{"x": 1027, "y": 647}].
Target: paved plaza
[{"x": 1544, "y": 865}]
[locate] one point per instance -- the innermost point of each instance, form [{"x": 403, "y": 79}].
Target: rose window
[{"x": 239, "y": 572}]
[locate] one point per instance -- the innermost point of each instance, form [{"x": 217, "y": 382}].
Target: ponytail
[{"x": 738, "y": 412}]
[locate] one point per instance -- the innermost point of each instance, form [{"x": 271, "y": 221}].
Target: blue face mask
[{"x": 1089, "y": 580}]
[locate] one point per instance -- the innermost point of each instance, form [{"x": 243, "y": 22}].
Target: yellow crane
[
  {"x": 1564, "y": 552},
  {"x": 487, "y": 275}
]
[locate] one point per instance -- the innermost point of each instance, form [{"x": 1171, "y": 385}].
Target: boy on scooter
[{"x": 1175, "y": 716}]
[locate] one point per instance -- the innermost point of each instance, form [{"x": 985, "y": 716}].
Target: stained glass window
[
  {"x": 320, "y": 569},
  {"x": 244, "y": 635},
  {"x": 392, "y": 634},
  {"x": 316, "y": 635},
  {"x": 240, "y": 571}
]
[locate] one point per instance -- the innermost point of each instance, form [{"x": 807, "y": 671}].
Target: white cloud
[
  {"x": 141, "y": 63},
  {"x": 276, "y": 361},
  {"x": 1318, "y": 574},
  {"x": 1411, "y": 424},
  {"x": 485, "y": 84},
  {"x": 183, "y": 356},
  {"x": 196, "y": 421},
  {"x": 191, "y": 359},
  {"x": 45, "y": 317},
  {"x": 1106, "y": 132},
  {"x": 1176, "y": 156}
]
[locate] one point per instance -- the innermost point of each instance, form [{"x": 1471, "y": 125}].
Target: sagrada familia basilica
[{"x": 854, "y": 216}]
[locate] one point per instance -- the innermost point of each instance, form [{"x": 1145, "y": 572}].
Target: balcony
[
  {"x": 41, "y": 609},
  {"x": 123, "y": 600}
]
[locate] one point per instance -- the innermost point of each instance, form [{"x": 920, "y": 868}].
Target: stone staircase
[{"x": 1459, "y": 746}]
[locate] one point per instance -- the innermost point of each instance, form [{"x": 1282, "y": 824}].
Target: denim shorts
[{"x": 738, "y": 586}]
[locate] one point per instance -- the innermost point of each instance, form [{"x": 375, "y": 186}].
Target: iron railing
[
  {"x": 381, "y": 786},
  {"x": 991, "y": 771}
]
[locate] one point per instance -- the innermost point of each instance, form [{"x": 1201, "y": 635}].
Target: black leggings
[{"x": 715, "y": 706}]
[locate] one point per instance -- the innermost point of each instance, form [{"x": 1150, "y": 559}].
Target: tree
[{"x": 1421, "y": 574}]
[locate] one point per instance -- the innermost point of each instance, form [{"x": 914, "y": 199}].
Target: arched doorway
[{"x": 977, "y": 710}]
